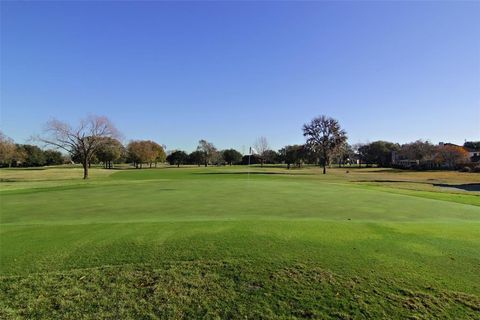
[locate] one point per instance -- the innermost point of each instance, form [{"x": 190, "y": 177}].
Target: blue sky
[{"x": 229, "y": 72}]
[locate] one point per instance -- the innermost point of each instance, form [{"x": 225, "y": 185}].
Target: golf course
[{"x": 235, "y": 242}]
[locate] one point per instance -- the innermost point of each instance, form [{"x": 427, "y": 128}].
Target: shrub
[{"x": 466, "y": 169}]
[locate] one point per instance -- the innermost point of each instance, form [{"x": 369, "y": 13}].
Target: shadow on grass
[
  {"x": 228, "y": 173},
  {"x": 389, "y": 181},
  {"x": 370, "y": 169}
]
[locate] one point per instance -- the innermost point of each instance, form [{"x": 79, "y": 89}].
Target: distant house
[
  {"x": 447, "y": 144},
  {"x": 473, "y": 154},
  {"x": 401, "y": 161}
]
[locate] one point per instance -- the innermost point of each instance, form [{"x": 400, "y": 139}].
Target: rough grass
[
  {"x": 219, "y": 243},
  {"x": 226, "y": 290}
]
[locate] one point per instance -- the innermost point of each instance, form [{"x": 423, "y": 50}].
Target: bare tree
[
  {"x": 208, "y": 151},
  {"x": 324, "y": 136},
  {"x": 8, "y": 149},
  {"x": 343, "y": 154},
  {"x": 83, "y": 140},
  {"x": 418, "y": 150},
  {"x": 261, "y": 146}
]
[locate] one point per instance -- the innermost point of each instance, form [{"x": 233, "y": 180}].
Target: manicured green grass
[{"x": 218, "y": 242}]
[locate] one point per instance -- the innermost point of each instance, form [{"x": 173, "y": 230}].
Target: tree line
[
  {"x": 26, "y": 155},
  {"x": 96, "y": 140},
  {"x": 416, "y": 155}
]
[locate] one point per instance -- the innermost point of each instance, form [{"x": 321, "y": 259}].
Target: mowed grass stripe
[
  {"x": 348, "y": 248},
  {"x": 223, "y": 200}
]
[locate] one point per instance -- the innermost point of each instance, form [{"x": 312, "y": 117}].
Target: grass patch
[{"x": 225, "y": 290}]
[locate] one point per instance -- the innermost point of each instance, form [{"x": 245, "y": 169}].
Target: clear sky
[{"x": 229, "y": 72}]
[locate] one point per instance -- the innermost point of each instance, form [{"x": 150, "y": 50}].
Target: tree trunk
[
  {"x": 288, "y": 165},
  {"x": 85, "y": 165},
  {"x": 325, "y": 161},
  {"x": 178, "y": 165}
]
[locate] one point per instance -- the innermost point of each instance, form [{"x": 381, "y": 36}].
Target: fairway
[{"x": 232, "y": 242}]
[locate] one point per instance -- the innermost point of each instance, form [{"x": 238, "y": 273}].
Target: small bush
[{"x": 466, "y": 169}]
